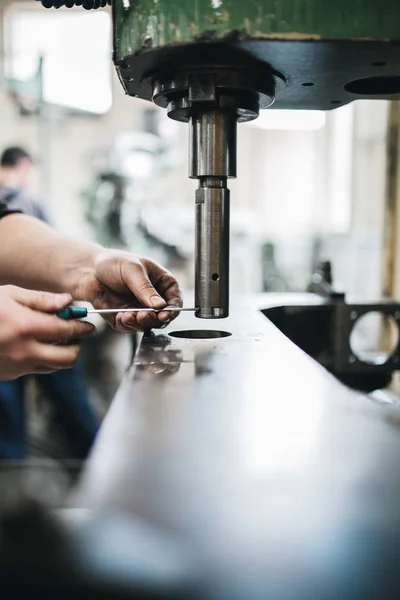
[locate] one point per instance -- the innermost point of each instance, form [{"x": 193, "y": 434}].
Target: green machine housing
[{"x": 312, "y": 54}]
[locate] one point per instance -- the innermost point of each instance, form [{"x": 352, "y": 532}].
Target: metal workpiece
[
  {"x": 277, "y": 481},
  {"x": 212, "y": 250},
  {"x": 213, "y": 144}
]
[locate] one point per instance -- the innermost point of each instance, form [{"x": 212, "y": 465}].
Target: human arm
[{"x": 35, "y": 256}]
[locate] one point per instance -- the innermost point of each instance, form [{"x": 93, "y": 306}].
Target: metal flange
[{"x": 191, "y": 91}]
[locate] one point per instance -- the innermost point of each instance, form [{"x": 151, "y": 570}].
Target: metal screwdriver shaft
[
  {"x": 71, "y": 313},
  {"x": 155, "y": 310}
]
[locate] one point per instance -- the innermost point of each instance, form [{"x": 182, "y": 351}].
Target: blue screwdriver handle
[{"x": 70, "y": 313}]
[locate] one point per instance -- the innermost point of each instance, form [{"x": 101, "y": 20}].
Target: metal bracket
[
  {"x": 345, "y": 318},
  {"x": 324, "y": 331}
]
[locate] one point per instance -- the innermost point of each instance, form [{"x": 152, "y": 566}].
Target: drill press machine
[
  {"x": 214, "y": 63},
  {"x": 240, "y": 468}
]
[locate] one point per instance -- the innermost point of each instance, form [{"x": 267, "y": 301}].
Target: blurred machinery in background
[
  {"x": 126, "y": 201},
  {"x": 123, "y": 176},
  {"x": 126, "y": 207}
]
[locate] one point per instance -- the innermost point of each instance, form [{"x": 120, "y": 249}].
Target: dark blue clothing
[
  {"x": 13, "y": 434},
  {"x": 66, "y": 391}
]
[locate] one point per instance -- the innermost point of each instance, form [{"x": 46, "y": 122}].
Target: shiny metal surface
[
  {"x": 135, "y": 310},
  {"x": 213, "y": 160},
  {"x": 213, "y": 144},
  {"x": 212, "y": 253},
  {"x": 280, "y": 482}
]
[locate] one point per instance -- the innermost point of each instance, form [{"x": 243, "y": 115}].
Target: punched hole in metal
[
  {"x": 200, "y": 334},
  {"x": 374, "y": 86},
  {"x": 215, "y": 276}
]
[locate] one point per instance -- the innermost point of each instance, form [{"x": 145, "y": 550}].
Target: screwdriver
[{"x": 71, "y": 313}]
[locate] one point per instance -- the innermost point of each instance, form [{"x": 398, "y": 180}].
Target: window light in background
[
  {"x": 76, "y": 50},
  {"x": 340, "y": 170},
  {"x": 290, "y": 120}
]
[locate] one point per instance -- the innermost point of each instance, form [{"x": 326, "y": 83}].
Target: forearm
[{"x": 33, "y": 255}]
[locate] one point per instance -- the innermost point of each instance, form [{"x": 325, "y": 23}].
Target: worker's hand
[
  {"x": 28, "y": 335},
  {"x": 120, "y": 279}
]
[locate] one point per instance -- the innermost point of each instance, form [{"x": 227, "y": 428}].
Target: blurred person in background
[
  {"x": 65, "y": 389},
  {"x": 17, "y": 173}
]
